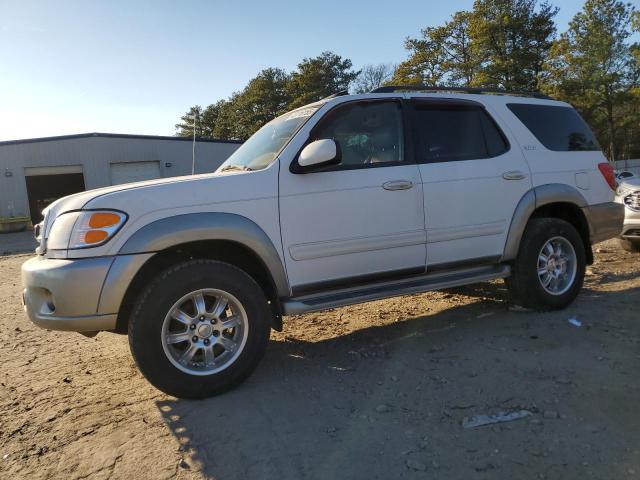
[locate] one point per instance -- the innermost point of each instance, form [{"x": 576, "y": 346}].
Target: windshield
[{"x": 263, "y": 147}]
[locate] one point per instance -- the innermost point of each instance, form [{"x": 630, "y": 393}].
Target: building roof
[{"x": 114, "y": 135}]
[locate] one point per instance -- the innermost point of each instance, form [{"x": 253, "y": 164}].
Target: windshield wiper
[{"x": 239, "y": 168}]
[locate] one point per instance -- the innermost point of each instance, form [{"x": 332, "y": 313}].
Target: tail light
[{"x": 607, "y": 172}]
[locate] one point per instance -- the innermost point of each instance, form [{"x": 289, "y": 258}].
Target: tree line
[{"x": 508, "y": 44}]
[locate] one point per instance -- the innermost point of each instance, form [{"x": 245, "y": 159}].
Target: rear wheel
[
  {"x": 549, "y": 270},
  {"x": 630, "y": 245},
  {"x": 199, "y": 329}
]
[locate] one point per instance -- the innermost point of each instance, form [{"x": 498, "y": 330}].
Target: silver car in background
[{"x": 628, "y": 193}]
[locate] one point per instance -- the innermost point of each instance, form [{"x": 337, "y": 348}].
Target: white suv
[{"x": 350, "y": 199}]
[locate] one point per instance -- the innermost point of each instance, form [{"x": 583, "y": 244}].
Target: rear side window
[
  {"x": 557, "y": 128},
  {"x": 448, "y": 133}
]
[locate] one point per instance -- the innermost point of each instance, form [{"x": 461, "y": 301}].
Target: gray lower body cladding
[
  {"x": 81, "y": 295},
  {"x": 605, "y": 220},
  {"x": 380, "y": 290}
]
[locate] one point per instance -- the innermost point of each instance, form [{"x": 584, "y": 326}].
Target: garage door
[
  {"x": 134, "y": 172},
  {"x": 47, "y": 184}
]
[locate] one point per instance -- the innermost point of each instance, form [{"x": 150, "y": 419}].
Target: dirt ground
[{"x": 372, "y": 391}]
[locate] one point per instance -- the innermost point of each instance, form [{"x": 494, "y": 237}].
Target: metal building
[{"x": 34, "y": 172}]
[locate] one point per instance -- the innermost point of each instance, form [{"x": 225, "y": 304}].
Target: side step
[{"x": 376, "y": 291}]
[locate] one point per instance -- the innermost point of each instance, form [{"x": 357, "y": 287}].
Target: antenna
[{"x": 193, "y": 150}]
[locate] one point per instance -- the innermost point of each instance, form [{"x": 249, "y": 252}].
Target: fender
[
  {"x": 175, "y": 230},
  {"x": 533, "y": 199}
]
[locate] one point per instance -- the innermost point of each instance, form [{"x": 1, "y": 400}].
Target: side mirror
[{"x": 319, "y": 152}]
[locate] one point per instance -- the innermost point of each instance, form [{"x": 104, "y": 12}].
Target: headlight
[
  {"x": 83, "y": 228},
  {"x": 95, "y": 227}
]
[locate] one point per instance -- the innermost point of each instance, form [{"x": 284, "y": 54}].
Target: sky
[{"x": 136, "y": 66}]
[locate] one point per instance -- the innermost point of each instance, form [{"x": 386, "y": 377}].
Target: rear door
[{"x": 472, "y": 180}]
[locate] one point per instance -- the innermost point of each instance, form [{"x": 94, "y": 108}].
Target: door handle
[
  {"x": 513, "y": 175},
  {"x": 398, "y": 185}
]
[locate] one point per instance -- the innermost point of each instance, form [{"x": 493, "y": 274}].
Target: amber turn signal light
[
  {"x": 95, "y": 236},
  {"x": 95, "y": 227},
  {"x": 103, "y": 219}
]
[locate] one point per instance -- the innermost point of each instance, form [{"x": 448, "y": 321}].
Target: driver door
[{"x": 359, "y": 220}]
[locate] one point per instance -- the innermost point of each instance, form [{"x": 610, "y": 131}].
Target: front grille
[{"x": 633, "y": 201}]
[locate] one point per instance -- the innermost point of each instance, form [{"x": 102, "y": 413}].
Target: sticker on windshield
[{"x": 305, "y": 112}]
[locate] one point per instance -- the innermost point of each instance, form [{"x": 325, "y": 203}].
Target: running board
[{"x": 376, "y": 291}]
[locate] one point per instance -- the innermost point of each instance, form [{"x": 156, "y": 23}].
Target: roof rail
[
  {"x": 473, "y": 90},
  {"x": 337, "y": 94}
]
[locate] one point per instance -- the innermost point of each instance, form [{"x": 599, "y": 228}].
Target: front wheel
[
  {"x": 549, "y": 270},
  {"x": 199, "y": 328}
]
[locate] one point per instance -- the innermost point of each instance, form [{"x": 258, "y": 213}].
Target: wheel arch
[
  {"x": 550, "y": 200},
  {"x": 220, "y": 236}
]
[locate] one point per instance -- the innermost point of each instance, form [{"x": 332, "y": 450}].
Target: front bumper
[
  {"x": 605, "y": 220},
  {"x": 81, "y": 295},
  {"x": 631, "y": 227},
  {"x": 64, "y": 294}
]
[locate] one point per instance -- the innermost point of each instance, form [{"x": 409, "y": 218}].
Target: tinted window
[
  {"x": 557, "y": 128},
  {"x": 453, "y": 132},
  {"x": 368, "y": 133}
]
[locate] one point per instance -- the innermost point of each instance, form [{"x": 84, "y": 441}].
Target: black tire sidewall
[
  {"x": 145, "y": 327},
  {"x": 530, "y": 292}
]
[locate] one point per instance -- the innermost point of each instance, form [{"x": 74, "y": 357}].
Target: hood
[
  {"x": 209, "y": 191},
  {"x": 79, "y": 200}
]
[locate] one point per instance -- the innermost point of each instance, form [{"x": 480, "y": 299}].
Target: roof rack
[
  {"x": 337, "y": 94},
  {"x": 472, "y": 90}
]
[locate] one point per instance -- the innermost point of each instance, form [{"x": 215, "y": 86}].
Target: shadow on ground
[{"x": 387, "y": 402}]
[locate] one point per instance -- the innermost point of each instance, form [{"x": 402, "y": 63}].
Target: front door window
[{"x": 367, "y": 133}]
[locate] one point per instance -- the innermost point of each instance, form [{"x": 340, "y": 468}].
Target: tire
[
  {"x": 632, "y": 246},
  {"x": 172, "y": 330},
  {"x": 526, "y": 284}
]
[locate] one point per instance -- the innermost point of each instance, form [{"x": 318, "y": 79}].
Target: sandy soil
[{"x": 371, "y": 391}]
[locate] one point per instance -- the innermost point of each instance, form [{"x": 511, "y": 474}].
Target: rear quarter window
[{"x": 560, "y": 129}]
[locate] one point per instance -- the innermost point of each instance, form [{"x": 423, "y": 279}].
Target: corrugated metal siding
[{"x": 95, "y": 154}]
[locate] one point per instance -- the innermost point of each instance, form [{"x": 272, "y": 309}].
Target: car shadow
[
  {"x": 612, "y": 277},
  {"x": 495, "y": 291},
  {"x": 368, "y": 403}
]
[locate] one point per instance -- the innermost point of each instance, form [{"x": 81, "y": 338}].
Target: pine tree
[
  {"x": 500, "y": 43},
  {"x": 319, "y": 77},
  {"x": 594, "y": 67}
]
